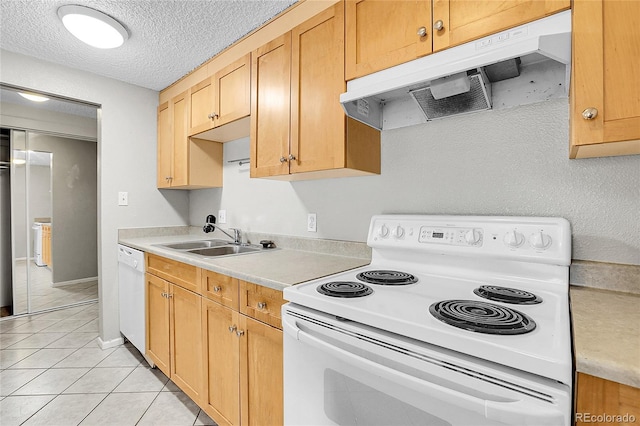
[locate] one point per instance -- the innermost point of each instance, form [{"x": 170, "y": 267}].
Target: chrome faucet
[{"x": 210, "y": 226}]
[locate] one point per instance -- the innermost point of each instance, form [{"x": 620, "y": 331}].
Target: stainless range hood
[{"x": 396, "y": 97}]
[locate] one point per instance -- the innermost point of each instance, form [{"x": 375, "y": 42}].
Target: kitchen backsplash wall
[{"x": 507, "y": 162}]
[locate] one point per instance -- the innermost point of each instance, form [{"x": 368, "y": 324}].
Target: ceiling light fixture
[
  {"x": 93, "y": 27},
  {"x": 33, "y": 97}
]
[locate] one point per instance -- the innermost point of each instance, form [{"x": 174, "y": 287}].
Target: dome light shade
[
  {"x": 93, "y": 27},
  {"x": 33, "y": 97}
]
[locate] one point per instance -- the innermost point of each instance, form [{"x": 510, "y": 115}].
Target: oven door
[{"x": 344, "y": 373}]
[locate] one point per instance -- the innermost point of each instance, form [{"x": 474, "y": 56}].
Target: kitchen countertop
[
  {"x": 606, "y": 345},
  {"x": 276, "y": 269},
  {"x": 606, "y": 333}
]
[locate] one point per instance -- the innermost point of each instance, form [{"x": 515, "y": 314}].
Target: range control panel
[{"x": 545, "y": 239}]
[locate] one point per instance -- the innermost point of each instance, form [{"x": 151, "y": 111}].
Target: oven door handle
[{"x": 521, "y": 412}]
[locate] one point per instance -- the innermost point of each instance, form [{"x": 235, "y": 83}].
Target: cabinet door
[
  {"x": 317, "y": 118},
  {"x": 165, "y": 146},
  {"x": 270, "y": 107},
  {"x": 605, "y": 78},
  {"x": 233, "y": 91},
  {"x": 384, "y": 33},
  {"x": 596, "y": 396},
  {"x": 186, "y": 341},
  {"x": 221, "y": 366},
  {"x": 202, "y": 100},
  {"x": 261, "y": 373},
  {"x": 464, "y": 20},
  {"x": 179, "y": 112},
  {"x": 157, "y": 317}
]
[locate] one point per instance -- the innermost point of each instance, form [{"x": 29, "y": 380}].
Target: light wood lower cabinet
[
  {"x": 261, "y": 386},
  {"x": 243, "y": 361},
  {"x": 219, "y": 339},
  {"x": 174, "y": 341},
  {"x": 222, "y": 365},
  {"x": 596, "y": 397}
]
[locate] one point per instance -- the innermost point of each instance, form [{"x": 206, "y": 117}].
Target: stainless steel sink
[
  {"x": 224, "y": 250},
  {"x": 189, "y": 245}
]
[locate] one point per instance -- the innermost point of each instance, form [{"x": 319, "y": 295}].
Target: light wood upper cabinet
[
  {"x": 458, "y": 21},
  {"x": 605, "y": 81},
  {"x": 185, "y": 162},
  {"x": 220, "y": 100},
  {"x": 298, "y": 127},
  {"x": 384, "y": 33},
  {"x": 270, "y": 107}
]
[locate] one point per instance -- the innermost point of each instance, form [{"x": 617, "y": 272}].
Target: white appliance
[
  {"x": 131, "y": 296},
  {"x": 543, "y": 49},
  {"x": 37, "y": 244},
  {"x": 458, "y": 320}
]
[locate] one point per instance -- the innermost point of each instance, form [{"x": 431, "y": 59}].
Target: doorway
[{"x": 49, "y": 184}]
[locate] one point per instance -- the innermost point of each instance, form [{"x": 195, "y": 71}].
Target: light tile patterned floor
[
  {"x": 53, "y": 373},
  {"x": 43, "y": 295}
]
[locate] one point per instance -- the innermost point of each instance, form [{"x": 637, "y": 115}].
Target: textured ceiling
[{"x": 167, "y": 38}]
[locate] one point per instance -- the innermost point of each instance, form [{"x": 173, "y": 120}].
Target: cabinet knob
[
  {"x": 232, "y": 328},
  {"x": 262, "y": 305},
  {"x": 239, "y": 333},
  {"x": 212, "y": 116},
  {"x": 169, "y": 295},
  {"x": 589, "y": 113},
  {"x": 422, "y": 32},
  {"x": 283, "y": 160},
  {"x": 217, "y": 289},
  {"x": 438, "y": 25},
  {"x": 163, "y": 294},
  {"x": 292, "y": 157}
]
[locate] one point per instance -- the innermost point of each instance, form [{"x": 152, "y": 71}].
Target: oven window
[{"x": 350, "y": 402}]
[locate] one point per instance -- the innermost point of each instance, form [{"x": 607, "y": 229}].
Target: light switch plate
[
  {"x": 222, "y": 216},
  {"x": 123, "y": 198},
  {"x": 312, "y": 223}
]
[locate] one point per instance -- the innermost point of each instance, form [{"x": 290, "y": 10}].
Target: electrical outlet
[
  {"x": 123, "y": 198},
  {"x": 222, "y": 216},
  {"x": 312, "y": 223}
]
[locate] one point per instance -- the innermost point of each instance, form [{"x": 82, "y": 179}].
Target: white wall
[
  {"x": 507, "y": 162},
  {"x": 126, "y": 156}
]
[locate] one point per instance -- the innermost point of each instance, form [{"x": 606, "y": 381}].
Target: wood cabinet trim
[{"x": 182, "y": 274}]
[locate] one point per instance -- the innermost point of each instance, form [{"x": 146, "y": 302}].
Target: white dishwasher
[{"x": 131, "y": 296}]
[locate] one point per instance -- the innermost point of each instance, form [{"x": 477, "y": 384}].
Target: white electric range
[{"x": 457, "y": 320}]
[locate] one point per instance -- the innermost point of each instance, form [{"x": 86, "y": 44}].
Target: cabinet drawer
[
  {"x": 219, "y": 288},
  {"x": 179, "y": 273},
  {"x": 261, "y": 303}
]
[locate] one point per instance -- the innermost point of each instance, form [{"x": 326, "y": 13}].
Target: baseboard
[
  {"x": 72, "y": 282},
  {"x": 109, "y": 343}
]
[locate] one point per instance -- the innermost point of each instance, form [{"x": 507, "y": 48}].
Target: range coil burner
[
  {"x": 385, "y": 277},
  {"x": 507, "y": 295},
  {"x": 345, "y": 289},
  {"x": 482, "y": 317}
]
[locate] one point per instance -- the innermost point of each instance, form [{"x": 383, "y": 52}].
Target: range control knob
[
  {"x": 398, "y": 232},
  {"x": 473, "y": 237},
  {"x": 540, "y": 241},
  {"x": 513, "y": 239},
  {"x": 383, "y": 232}
]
